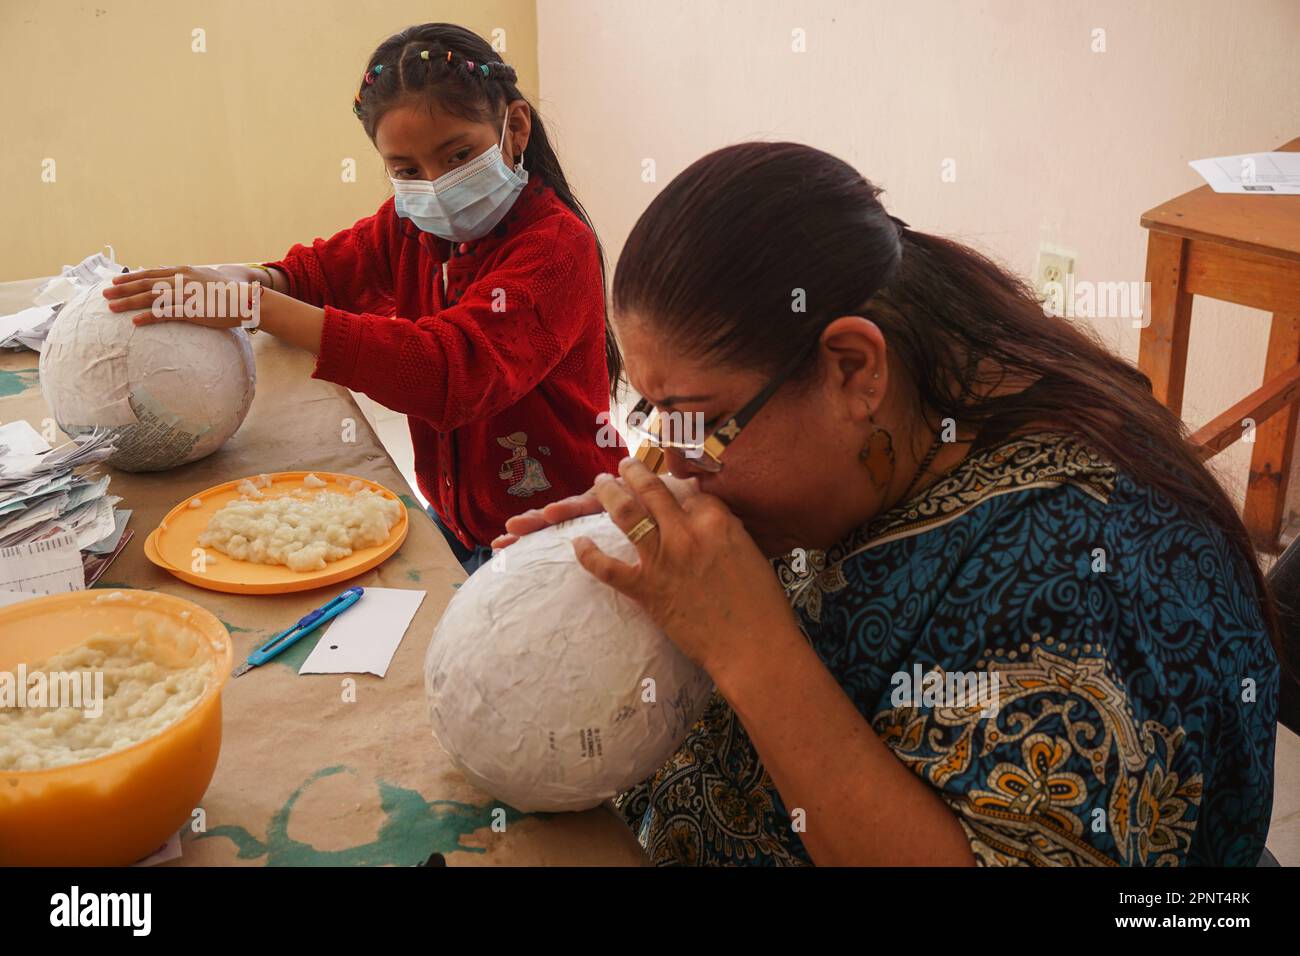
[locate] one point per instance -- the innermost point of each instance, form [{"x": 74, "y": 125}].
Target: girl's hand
[
  {"x": 566, "y": 509},
  {"x": 699, "y": 573},
  {"x": 536, "y": 519},
  {"x": 225, "y": 301}
]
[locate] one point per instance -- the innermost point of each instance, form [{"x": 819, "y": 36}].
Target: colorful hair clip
[
  {"x": 448, "y": 56},
  {"x": 358, "y": 96},
  {"x": 369, "y": 77},
  {"x": 424, "y": 54},
  {"x": 483, "y": 68},
  {"x": 379, "y": 68},
  {"x": 469, "y": 66}
]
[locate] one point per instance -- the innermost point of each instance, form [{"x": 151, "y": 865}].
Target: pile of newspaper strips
[{"x": 59, "y": 526}]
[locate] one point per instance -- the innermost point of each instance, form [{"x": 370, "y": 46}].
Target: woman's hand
[
  {"x": 699, "y": 574},
  {"x": 222, "y": 298}
]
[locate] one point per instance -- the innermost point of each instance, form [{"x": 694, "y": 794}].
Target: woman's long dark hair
[
  {"x": 726, "y": 254},
  {"x": 473, "y": 94}
]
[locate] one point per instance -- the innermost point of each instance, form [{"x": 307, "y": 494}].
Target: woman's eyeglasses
[{"x": 682, "y": 432}]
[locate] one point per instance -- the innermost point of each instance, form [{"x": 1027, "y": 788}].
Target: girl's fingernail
[{"x": 603, "y": 477}]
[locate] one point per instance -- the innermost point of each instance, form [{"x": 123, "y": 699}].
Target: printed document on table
[
  {"x": 1254, "y": 174},
  {"x": 50, "y": 566}
]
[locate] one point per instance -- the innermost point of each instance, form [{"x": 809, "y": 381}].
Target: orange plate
[{"x": 171, "y": 544}]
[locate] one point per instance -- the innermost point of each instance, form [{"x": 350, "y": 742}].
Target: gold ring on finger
[{"x": 643, "y": 528}]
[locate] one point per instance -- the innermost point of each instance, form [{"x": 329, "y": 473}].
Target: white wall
[{"x": 1052, "y": 142}]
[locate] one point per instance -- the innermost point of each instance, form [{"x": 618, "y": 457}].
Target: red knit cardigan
[{"x": 501, "y": 374}]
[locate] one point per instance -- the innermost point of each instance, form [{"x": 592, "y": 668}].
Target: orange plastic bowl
[{"x": 116, "y": 809}]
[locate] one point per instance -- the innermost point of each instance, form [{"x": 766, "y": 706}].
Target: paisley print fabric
[{"x": 1136, "y": 689}]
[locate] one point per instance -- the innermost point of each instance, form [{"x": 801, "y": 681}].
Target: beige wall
[
  {"x": 1052, "y": 142},
  {"x": 174, "y": 156}
]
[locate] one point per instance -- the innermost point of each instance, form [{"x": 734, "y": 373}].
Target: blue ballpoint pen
[{"x": 286, "y": 639}]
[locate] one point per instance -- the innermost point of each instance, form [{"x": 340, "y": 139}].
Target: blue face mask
[{"x": 466, "y": 203}]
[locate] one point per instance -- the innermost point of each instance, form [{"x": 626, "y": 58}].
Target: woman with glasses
[{"x": 967, "y": 594}]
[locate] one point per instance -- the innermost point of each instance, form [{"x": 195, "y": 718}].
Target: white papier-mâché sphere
[
  {"x": 550, "y": 690},
  {"x": 172, "y": 392}
]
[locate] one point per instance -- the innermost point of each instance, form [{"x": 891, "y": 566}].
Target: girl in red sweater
[{"x": 472, "y": 301}]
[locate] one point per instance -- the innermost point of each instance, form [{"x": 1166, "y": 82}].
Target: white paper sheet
[
  {"x": 1253, "y": 174},
  {"x": 92, "y": 521},
  {"x": 18, "y": 467},
  {"x": 51, "y": 566},
  {"x": 89, "y": 271},
  {"x": 364, "y": 638},
  {"x": 107, "y": 543},
  {"x": 30, "y": 327},
  {"x": 28, "y": 493},
  {"x": 41, "y": 489},
  {"x": 45, "y": 510},
  {"x": 85, "y": 488},
  {"x": 17, "y": 329},
  {"x": 20, "y": 438}
]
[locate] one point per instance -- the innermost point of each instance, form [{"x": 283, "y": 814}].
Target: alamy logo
[
  {"x": 1083, "y": 299},
  {"x": 187, "y": 298},
  {"x": 78, "y": 690},
  {"x": 974, "y": 690},
  {"x": 75, "y": 908},
  {"x": 683, "y": 430}
]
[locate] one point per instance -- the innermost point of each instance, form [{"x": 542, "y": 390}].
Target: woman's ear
[
  {"x": 856, "y": 351},
  {"x": 518, "y": 128}
]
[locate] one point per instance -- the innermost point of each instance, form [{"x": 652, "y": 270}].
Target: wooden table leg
[
  {"x": 1270, "y": 461},
  {"x": 1162, "y": 349}
]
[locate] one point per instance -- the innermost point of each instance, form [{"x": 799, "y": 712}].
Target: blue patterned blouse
[{"x": 1129, "y": 688}]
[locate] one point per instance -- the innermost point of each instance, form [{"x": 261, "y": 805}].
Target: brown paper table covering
[{"x": 305, "y": 776}]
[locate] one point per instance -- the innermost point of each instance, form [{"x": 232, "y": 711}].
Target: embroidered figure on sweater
[{"x": 526, "y": 472}]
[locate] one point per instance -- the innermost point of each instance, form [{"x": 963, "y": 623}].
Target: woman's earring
[{"x": 878, "y": 456}]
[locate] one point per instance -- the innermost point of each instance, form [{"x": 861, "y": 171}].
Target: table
[
  {"x": 1243, "y": 249},
  {"x": 305, "y": 776}
]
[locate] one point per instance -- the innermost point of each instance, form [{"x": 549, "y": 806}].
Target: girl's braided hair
[{"x": 465, "y": 76}]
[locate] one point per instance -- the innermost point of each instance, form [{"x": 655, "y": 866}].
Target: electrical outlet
[
  {"x": 1053, "y": 266},
  {"x": 1051, "y": 275}
]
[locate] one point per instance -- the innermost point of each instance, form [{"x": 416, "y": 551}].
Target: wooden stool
[{"x": 1243, "y": 249}]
